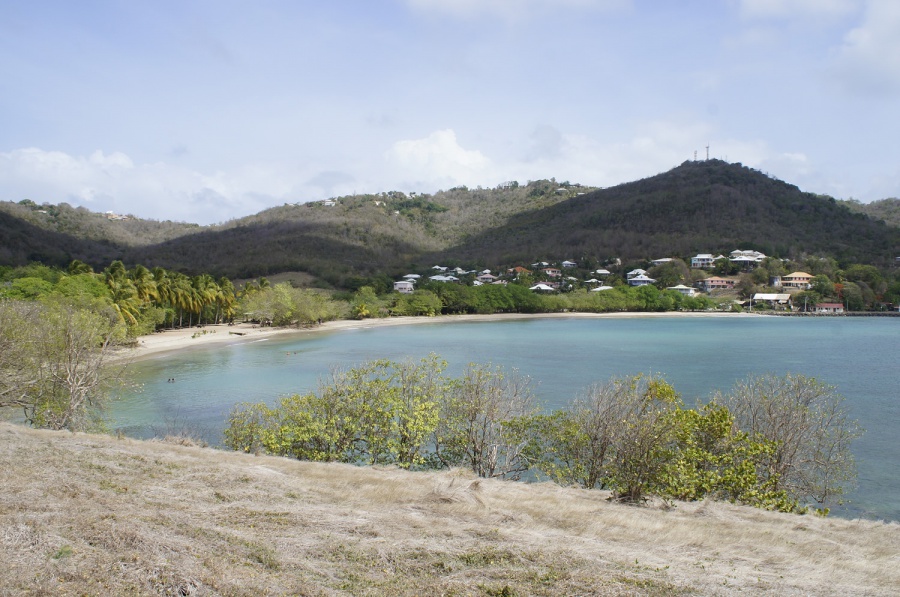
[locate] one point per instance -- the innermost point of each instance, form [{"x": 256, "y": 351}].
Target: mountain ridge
[{"x": 698, "y": 206}]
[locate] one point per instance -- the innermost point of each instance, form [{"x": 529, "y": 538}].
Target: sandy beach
[{"x": 167, "y": 341}]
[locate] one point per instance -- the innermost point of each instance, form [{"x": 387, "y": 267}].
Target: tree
[
  {"x": 670, "y": 273},
  {"x": 479, "y": 424},
  {"x": 575, "y": 445},
  {"x": 53, "y": 362},
  {"x": 822, "y": 285},
  {"x": 809, "y": 427},
  {"x": 377, "y": 413},
  {"x": 712, "y": 458},
  {"x": 642, "y": 442}
]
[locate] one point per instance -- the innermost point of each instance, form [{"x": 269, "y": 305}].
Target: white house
[
  {"x": 412, "y": 276},
  {"x": 640, "y": 280},
  {"x": 685, "y": 290},
  {"x": 440, "y": 278},
  {"x": 404, "y": 286},
  {"x": 635, "y": 273},
  {"x": 601, "y": 288},
  {"x": 705, "y": 260},
  {"x": 486, "y": 278},
  {"x": 602, "y": 272},
  {"x": 542, "y": 287},
  {"x": 569, "y": 264},
  {"x": 661, "y": 261}
]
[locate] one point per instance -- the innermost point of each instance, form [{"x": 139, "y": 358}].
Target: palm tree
[
  {"x": 122, "y": 293},
  {"x": 226, "y": 300},
  {"x": 144, "y": 283}
]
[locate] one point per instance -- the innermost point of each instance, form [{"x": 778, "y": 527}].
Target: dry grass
[{"x": 95, "y": 515}]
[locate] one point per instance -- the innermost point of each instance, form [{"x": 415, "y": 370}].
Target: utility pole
[{"x": 707, "y": 152}]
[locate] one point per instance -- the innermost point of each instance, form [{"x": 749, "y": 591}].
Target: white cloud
[
  {"x": 781, "y": 9},
  {"x": 113, "y": 182},
  {"x": 438, "y": 160},
  {"x": 511, "y": 9},
  {"x": 869, "y": 58}
]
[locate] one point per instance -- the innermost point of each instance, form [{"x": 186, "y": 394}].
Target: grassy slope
[{"x": 86, "y": 514}]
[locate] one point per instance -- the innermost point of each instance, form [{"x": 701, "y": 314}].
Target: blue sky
[{"x": 205, "y": 111}]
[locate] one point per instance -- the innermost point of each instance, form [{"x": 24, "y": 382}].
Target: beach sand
[{"x": 167, "y": 341}]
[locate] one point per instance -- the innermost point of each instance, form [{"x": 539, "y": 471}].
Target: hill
[
  {"x": 57, "y": 234},
  {"x": 706, "y": 206},
  {"x": 90, "y": 514},
  {"x": 886, "y": 210}
]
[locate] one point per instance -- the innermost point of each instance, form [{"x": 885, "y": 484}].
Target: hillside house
[
  {"x": 552, "y": 272},
  {"x": 635, "y": 273},
  {"x": 661, "y": 261},
  {"x": 601, "y": 288},
  {"x": 569, "y": 264},
  {"x": 640, "y": 280},
  {"x": 685, "y": 290},
  {"x": 705, "y": 260},
  {"x": 486, "y": 278},
  {"x": 518, "y": 271},
  {"x": 715, "y": 283},
  {"x": 797, "y": 281},
  {"x": 746, "y": 259},
  {"x": 442, "y": 278},
  {"x": 602, "y": 272}
]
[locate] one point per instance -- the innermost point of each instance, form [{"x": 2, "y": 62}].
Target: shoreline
[{"x": 165, "y": 342}]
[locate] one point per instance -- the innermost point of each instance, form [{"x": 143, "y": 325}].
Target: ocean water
[{"x": 860, "y": 356}]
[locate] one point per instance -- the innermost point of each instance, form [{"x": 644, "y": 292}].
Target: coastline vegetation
[{"x": 779, "y": 443}]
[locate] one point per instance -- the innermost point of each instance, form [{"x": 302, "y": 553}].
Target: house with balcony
[
  {"x": 796, "y": 281},
  {"x": 715, "y": 283},
  {"x": 705, "y": 260}
]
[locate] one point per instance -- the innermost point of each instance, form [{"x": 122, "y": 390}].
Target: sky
[{"x": 209, "y": 110}]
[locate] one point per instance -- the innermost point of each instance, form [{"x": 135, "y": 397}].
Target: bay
[{"x": 698, "y": 355}]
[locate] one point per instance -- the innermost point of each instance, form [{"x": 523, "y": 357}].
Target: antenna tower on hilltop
[{"x": 707, "y": 151}]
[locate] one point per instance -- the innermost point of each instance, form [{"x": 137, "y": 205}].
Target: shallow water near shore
[{"x": 861, "y": 356}]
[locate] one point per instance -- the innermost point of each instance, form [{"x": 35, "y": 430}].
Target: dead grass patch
[{"x": 85, "y": 514}]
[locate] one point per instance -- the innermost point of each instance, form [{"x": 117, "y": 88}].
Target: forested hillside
[
  {"x": 696, "y": 207},
  {"x": 706, "y": 206}
]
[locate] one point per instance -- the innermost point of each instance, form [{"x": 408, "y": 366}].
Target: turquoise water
[{"x": 861, "y": 356}]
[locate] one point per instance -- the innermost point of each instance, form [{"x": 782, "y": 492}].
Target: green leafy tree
[
  {"x": 712, "y": 458},
  {"x": 642, "y": 444}
]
